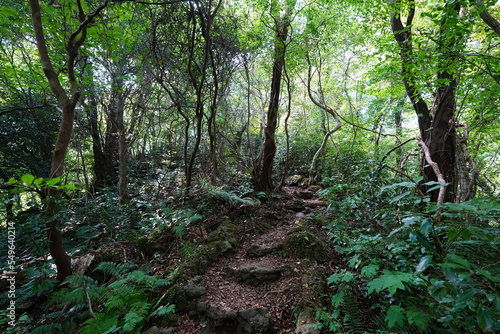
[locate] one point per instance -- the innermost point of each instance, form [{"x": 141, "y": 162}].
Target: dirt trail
[{"x": 272, "y": 277}]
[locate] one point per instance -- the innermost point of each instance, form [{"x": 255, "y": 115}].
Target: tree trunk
[
  {"x": 104, "y": 171},
  {"x": 54, "y": 225},
  {"x": 67, "y": 103},
  {"x": 263, "y": 167},
  {"x": 437, "y": 132}
]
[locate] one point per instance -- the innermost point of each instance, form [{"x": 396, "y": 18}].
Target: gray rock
[
  {"x": 195, "y": 288},
  {"x": 258, "y": 251},
  {"x": 306, "y": 329},
  {"x": 294, "y": 180},
  {"x": 254, "y": 320},
  {"x": 256, "y": 274}
]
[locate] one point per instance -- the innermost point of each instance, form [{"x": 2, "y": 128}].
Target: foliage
[
  {"x": 125, "y": 303},
  {"x": 399, "y": 270}
]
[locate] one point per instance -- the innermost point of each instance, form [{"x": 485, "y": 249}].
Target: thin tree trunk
[{"x": 262, "y": 173}]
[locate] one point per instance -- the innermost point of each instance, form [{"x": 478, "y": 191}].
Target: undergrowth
[
  {"x": 123, "y": 304},
  {"x": 412, "y": 266}
]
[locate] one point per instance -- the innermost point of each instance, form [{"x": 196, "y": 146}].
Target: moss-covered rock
[
  {"x": 227, "y": 231},
  {"x": 304, "y": 245}
]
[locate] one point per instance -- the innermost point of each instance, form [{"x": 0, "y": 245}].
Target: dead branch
[
  {"x": 395, "y": 148},
  {"x": 435, "y": 168}
]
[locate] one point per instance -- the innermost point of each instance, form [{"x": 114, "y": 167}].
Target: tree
[
  {"x": 436, "y": 122},
  {"x": 67, "y": 98},
  {"x": 263, "y": 166}
]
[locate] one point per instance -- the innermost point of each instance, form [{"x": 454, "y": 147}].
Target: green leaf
[
  {"x": 459, "y": 260},
  {"x": 370, "y": 270},
  {"x": 394, "y": 316},
  {"x": 353, "y": 262},
  {"x": 53, "y": 182},
  {"x": 415, "y": 235},
  {"x": 439, "y": 185},
  {"x": 425, "y": 261},
  {"x": 131, "y": 321},
  {"x": 395, "y": 185},
  {"x": 426, "y": 226},
  {"x": 390, "y": 281},
  {"x": 68, "y": 186},
  {"x": 485, "y": 319},
  {"x": 338, "y": 299},
  {"x": 488, "y": 275},
  {"x": 417, "y": 318},
  {"x": 12, "y": 181},
  {"x": 399, "y": 197},
  {"x": 27, "y": 179}
]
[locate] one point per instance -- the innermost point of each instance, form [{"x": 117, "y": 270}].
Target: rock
[
  {"x": 256, "y": 274},
  {"x": 156, "y": 330},
  {"x": 294, "y": 180},
  {"x": 82, "y": 263},
  {"x": 304, "y": 183},
  {"x": 305, "y": 194},
  {"x": 304, "y": 245},
  {"x": 224, "y": 320},
  {"x": 195, "y": 288},
  {"x": 220, "y": 319},
  {"x": 254, "y": 320},
  {"x": 258, "y": 251},
  {"x": 306, "y": 329},
  {"x": 305, "y": 323},
  {"x": 314, "y": 188}
]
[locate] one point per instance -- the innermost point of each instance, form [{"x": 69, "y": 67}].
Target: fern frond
[
  {"x": 163, "y": 311},
  {"x": 132, "y": 320},
  {"x": 48, "y": 329},
  {"x": 353, "y": 319},
  {"x": 101, "y": 323},
  {"x": 114, "y": 269}
]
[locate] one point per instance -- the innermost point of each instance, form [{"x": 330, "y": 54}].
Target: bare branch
[
  {"x": 3, "y": 112},
  {"x": 435, "y": 168},
  {"x": 395, "y": 148}
]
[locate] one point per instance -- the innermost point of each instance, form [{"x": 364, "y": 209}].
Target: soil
[{"x": 280, "y": 298}]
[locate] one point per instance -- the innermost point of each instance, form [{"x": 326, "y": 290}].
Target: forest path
[{"x": 273, "y": 281}]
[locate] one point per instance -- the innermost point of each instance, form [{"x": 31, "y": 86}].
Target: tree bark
[
  {"x": 263, "y": 167},
  {"x": 437, "y": 132},
  {"x": 67, "y": 103},
  {"x": 487, "y": 18}
]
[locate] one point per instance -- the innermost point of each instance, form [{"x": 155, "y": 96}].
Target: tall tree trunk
[
  {"x": 67, "y": 103},
  {"x": 263, "y": 167},
  {"x": 438, "y": 131},
  {"x": 104, "y": 171}
]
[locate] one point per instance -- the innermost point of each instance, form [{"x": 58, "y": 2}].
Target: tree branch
[
  {"x": 3, "y": 112},
  {"x": 487, "y": 18},
  {"x": 435, "y": 168}
]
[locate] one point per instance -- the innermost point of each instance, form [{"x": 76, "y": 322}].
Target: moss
[
  {"x": 226, "y": 231},
  {"x": 113, "y": 256},
  {"x": 182, "y": 302},
  {"x": 304, "y": 245}
]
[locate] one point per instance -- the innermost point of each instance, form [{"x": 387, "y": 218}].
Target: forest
[{"x": 267, "y": 166}]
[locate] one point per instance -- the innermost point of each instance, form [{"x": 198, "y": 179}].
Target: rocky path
[{"x": 271, "y": 282}]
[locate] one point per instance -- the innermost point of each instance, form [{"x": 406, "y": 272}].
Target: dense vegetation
[{"x": 125, "y": 119}]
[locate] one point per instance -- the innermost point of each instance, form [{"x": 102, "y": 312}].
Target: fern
[
  {"x": 115, "y": 269},
  {"x": 48, "y": 329},
  {"x": 120, "y": 306},
  {"x": 232, "y": 199},
  {"x": 353, "y": 318},
  {"x": 101, "y": 323}
]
